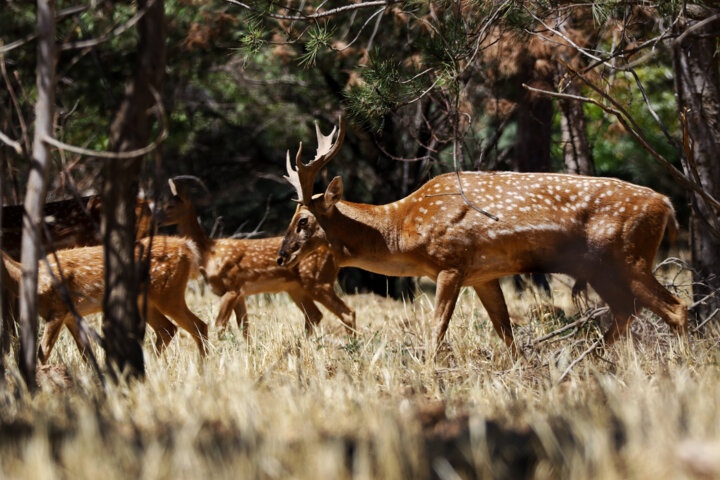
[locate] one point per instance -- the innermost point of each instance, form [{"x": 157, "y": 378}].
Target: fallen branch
[
  {"x": 577, "y": 323},
  {"x": 578, "y": 360}
]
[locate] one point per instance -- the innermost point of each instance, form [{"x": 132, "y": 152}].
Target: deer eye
[{"x": 302, "y": 223}]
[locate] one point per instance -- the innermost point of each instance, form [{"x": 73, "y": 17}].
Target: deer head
[{"x": 305, "y": 232}]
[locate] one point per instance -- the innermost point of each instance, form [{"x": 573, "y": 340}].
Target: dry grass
[{"x": 283, "y": 405}]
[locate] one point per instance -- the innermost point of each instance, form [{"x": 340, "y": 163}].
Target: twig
[
  {"x": 696, "y": 329},
  {"x": 576, "y": 323},
  {"x": 578, "y": 360},
  {"x": 315, "y": 16},
  {"x": 115, "y": 32},
  {"x": 118, "y": 155},
  {"x": 11, "y": 143},
  {"x": 696, "y": 26},
  {"x": 272, "y": 367}
]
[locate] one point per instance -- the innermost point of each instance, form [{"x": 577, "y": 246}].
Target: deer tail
[
  {"x": 673, "y": 227},
  {"x": 11, "y": 273}
]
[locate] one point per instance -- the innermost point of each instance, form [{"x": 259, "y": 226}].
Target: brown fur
[
  {"x": 172, "y": 262},
  {"x": 601, "y": 230},
  {"x": 236, "y": 268}
]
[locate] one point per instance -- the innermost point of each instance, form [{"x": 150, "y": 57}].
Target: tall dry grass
[{"x": 283, "y": 405}]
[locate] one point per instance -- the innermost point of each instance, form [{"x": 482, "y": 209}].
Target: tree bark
[
  {"x": 697, "y": 86},
  {"x": 534, "y": 120},
  {"x": 36, "y": 190},
  {"x": 123, "y": 327},
  {"x": 4, "y": 314},
  {"x": 576, "y": 147}
]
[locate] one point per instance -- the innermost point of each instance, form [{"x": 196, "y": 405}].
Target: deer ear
[{"x": 332, "y": 195}]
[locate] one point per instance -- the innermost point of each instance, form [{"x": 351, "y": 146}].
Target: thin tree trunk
[
  {"x": 4, "y": 313},
  {"x": 534, "y": 122},
  {"x": 576, "y": 147},
  {"x": 123, "y": 327},
  {"x": 697, "y": 85},
  {"x": 36, "y": 190}
]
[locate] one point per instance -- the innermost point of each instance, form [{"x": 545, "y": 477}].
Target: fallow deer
[
  {"x": 235, "y": 268},
  {"x": 172, "y": 262},
  {"x": 601, "y": 230},
  {"x": 70, "y": 223}
]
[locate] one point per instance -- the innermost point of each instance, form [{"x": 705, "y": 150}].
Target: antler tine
[
  {"x": 173, "y": 188},
  {"x": 327, "y": 149},
  {"x": 293, "y": 175}
]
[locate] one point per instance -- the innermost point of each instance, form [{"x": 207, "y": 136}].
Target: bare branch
[
  {"x": 117, "y": 31},
  {"x": 315, "y": 16},
  {"x": 696, "y": 26},
  {"x": 119, "y": 155},
  {"x": 11, "y": 143}
]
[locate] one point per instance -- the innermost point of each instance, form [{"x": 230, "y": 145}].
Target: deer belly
[{"x": 395, "y": 267}]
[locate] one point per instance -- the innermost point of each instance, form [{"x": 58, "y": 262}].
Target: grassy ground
[{"x": 283, "y": 405}]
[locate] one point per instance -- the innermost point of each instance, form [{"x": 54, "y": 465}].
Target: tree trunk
[
  {"x": 576, "y": 147},
  {"x": 123, "y": 327},
  {"x": 532, "y": 142},
  {"x": 697, "y": 86},
  {"x": 4, "y": 313},
  {"x": 36, "y": 190}
]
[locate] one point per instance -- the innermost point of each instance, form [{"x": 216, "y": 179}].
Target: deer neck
[
  {"x": 365, "y": 236},
  {"x": 191, "y": 228}
]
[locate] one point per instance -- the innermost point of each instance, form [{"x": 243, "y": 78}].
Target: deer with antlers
[
  {"x": 601, "y": 230},
  {"x": 235, "y": 268},
  {"x": 79, "y": 272}
]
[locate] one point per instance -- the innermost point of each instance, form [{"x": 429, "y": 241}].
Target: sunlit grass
[{"x": 286, "y": 405}]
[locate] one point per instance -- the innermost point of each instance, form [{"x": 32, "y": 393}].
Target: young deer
[
  {"x": 602, "y": 230},
  {"x": 236, "y": 268},
  {"x": 172, "y": 262},
  {"x": 70, "y": 223}
]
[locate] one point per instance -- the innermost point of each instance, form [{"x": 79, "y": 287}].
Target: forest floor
[{"x": 285, "y": 405}]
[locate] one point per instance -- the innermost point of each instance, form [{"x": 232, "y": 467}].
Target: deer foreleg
[
  {"x": 493, "y": 300},
  {"x": 448, "y": 288},
  {"x": 312, "y": 314},
  {"x": 227, "y": 303},
  {"x": 329, "y": 298},
  {"x": 164, "y": 329}
]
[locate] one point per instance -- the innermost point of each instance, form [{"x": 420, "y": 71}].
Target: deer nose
[{"x": 282, "y": 257}]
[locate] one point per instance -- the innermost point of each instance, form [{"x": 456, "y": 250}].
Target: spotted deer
[
  {"x": 172, "y": 262},
  {"x": 70, "y": 223},
  {"x": 236, "y": 268},
  {"x": 601, "y": 230}
]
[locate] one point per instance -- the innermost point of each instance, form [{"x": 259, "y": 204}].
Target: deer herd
[{"x": 459, "y": 229}]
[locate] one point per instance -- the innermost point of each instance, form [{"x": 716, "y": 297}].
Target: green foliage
[
  {"x": 381, "y": 91},
  {"x": 252, "y": 40},
  {"x": 320, "y": 37}
]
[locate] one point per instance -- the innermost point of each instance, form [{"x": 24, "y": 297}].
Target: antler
[{"x": 303, "y": 176}]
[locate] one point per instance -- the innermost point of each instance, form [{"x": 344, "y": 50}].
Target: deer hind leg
[
  {"x": 82, "y": 341},
  {"x": 164, "y": 329},
  {"x": 446, "y": 294},
  {"x": 187, "y": 320},
  {"x": 327, "y": 296},
  {"x": 227, "y": 303},
  {"x": 53, "y": 326},
  {"x": 241, "y": 316},
  {"x": 493, "y": 300},
  {"x": 615, "y": 291},
  {"x": 659, "y": 300},
  {"x": 312, "y": 313}
]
